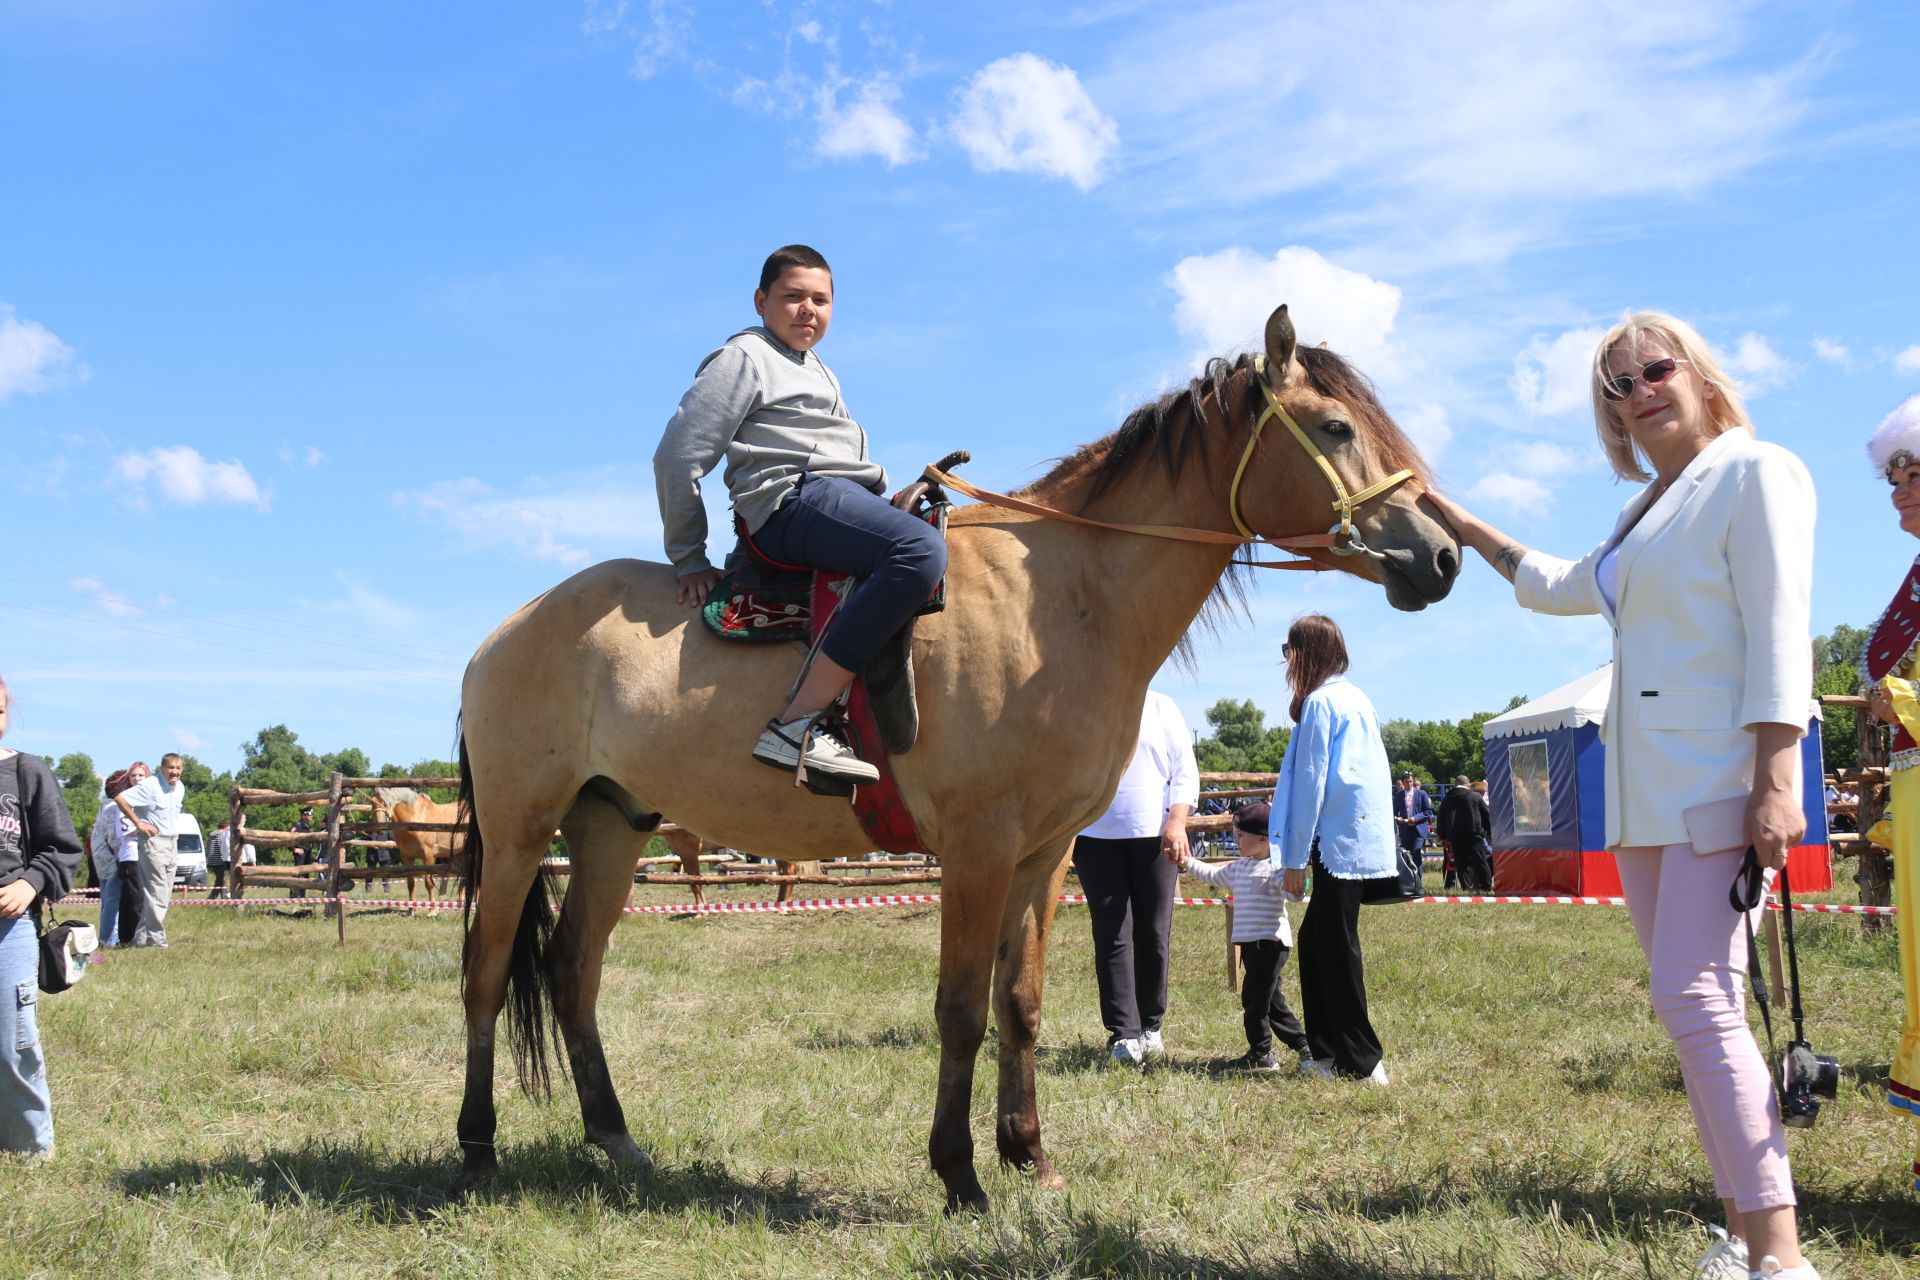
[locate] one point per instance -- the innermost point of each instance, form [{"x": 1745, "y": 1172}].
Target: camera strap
[{"x": 1748, "y": 891}]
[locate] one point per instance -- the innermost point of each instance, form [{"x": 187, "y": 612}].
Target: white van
[{"x": 189, "y": 853}]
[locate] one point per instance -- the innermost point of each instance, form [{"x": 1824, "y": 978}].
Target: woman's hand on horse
[{"x": 693, "y": 589}]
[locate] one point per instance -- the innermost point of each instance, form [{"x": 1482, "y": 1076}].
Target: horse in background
[{"x": 398, "y": 805}]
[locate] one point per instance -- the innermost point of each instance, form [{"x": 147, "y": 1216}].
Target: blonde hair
[{"x": 1725, "y": 409}]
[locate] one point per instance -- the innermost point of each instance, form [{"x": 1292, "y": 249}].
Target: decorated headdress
[{"x": 1896, "y": 445}]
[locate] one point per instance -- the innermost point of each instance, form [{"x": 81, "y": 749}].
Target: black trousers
[
  {"x": 1129, "y": 889},
  {"x": 217, "y": 877},
  {"x": 1475, "y": 862},
  {"x": 1333, "y": 981},
  {"x": 1263, "y": 1005},
  {"x": 129, "y": 902}
]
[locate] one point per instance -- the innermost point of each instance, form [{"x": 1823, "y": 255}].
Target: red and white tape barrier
[{"x": 933, "y": 899}]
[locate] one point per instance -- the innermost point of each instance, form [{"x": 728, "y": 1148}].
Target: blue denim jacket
[{"x": 1334, "y": 783}]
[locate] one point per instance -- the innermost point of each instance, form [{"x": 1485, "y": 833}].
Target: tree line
[
  {"x": 273, "y": 760},
  {"x": 1441, "y": 750}
]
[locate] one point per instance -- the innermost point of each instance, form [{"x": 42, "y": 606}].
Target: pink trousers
[{"x": 1697, "y": 951}]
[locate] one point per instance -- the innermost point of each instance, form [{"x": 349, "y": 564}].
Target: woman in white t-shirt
[{"x": 1128, "y": 864}]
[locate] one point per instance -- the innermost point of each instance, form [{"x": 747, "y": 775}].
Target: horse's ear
[{"x": 1280, "y": 345}]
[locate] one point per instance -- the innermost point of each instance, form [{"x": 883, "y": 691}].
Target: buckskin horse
[{"x": 602, "y": 704}]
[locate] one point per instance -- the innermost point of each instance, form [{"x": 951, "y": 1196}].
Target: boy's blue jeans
[
  {"x": 26, "y": 1105},
  {"x": 829, "y": 522}
]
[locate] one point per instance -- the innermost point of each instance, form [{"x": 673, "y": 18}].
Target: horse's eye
[{"x": 1337, "y": 427}]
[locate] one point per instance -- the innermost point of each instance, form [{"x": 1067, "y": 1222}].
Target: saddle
[{"x": 759, "y": 600}]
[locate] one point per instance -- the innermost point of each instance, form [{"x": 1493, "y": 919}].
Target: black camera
[{"x": 1805, "y": 1078}]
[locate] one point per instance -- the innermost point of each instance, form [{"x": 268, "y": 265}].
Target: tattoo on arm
[{"x": 1507, "y": 559}]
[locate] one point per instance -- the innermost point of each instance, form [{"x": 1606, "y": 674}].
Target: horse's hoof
[
  {"x": 1047, "y": 1179},
  {"x": 967, "y": 1201},
  {"x": 628, "y": 1159},
  {"x": 475, "y": 1173}
]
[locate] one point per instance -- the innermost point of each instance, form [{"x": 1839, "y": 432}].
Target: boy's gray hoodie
[{"x": 773, "y": 413}]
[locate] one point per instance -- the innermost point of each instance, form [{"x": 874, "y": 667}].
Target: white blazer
[{"x": 1711, "y": 635}]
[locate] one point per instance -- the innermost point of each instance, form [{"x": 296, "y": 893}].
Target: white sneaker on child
[
  {"x": 1726, "y": 1260},
  {"x": 1770, "y": 1269}
]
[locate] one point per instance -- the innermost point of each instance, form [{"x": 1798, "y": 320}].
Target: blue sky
[{"x": 331, "y": 334}]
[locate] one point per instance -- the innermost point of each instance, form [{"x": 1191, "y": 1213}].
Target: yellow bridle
[
  {"x": 1347, "y": 539},
  {"x": 1341, "y": 540}
]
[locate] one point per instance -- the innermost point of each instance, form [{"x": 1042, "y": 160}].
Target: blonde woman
[{"x": 1705, "y": 581}]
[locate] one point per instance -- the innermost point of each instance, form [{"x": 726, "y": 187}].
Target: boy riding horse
[{"x": 805, "y": 492}]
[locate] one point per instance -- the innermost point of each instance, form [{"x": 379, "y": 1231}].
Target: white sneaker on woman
[{"x": 1726, "y": 1260}]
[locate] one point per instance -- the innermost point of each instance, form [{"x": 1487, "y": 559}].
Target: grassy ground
[{"x": 257, "y": 1101}]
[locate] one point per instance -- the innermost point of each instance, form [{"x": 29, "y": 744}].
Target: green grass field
[{"x": 257, "y": 1101}]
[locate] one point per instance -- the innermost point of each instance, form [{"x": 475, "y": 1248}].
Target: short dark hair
[
  {"x": 790, "y": 255},
  {"x": 1253, "y": 818},
  {"x": 172, "y": 755}
]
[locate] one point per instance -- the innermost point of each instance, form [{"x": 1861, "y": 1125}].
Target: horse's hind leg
[
  {"x": 1018, "y": 981},
  {"x": 603, "y": 850},
  {"x": 972, "y": 898},
  {"x": 509, "y": 874}
]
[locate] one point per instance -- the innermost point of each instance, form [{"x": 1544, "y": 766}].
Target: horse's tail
[{"x": 531, "y": 1023}]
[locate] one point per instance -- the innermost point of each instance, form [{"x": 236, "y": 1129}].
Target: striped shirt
[{"x": 1259, "y": 903}]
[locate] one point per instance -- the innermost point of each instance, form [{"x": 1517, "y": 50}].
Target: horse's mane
[
  {"x": 1173, "y": 430},
  {"x": 391, "y": 796}
]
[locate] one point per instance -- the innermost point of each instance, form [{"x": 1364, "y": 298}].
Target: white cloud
[
  {"x": 1758, "y": 367},
  {"x": 1226, "y": 297},
  {"x": 663, "y": 36},
  {"x": 1426, "y": 425},
  {"x": 186, "y": 479},
  {"x": 1470, "y": 136},
  {"x": 1551, "y": 375},
  {"x": 1027, "y": 115},
  {"x": 111, "y": 603},
  {"x": 1833, "y": 352},
  {"x": 31, "y": 357},
  {"x": 568, "y": 520},
  {"x": 1523, "y": 495},
  {"x": 311, "y": 456},
  {"x": 867, "y": 126},
  {"x": 1908, "y": 361},
  {"x": 187, "y": 740}
]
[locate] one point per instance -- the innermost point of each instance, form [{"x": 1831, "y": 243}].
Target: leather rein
[{"x": 1342, "y": 539}]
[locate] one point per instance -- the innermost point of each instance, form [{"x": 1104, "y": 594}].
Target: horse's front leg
[
  {"x": 973, "y": 896},
  {"x": 1018, "y": 983}
]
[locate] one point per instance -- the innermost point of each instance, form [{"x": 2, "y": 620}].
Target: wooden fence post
[{"x": 333, "y": 852}]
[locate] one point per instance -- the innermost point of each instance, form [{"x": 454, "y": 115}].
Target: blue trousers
[
  {"x": 829, "y": 522},
  {"x": 26, "y": 1105},
  {"x": 110, "y": 909}
]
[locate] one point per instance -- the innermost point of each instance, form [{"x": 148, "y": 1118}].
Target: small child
[{"x": 1265, "y": 937}]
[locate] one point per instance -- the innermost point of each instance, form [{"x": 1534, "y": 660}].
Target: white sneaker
[
  {"x": 1127, "y": 1052},
  {"x": 1379, "y": 1077},
  {"x": 1726, "y": 1260},
  {"x": 1770, "y": 1269},
  {"x": 1318, "y": 1068},
  {"x": 779, "y": 746},
  {"x": 1152, "y": 1045}
]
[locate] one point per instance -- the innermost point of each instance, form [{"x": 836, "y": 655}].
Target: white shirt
[
  {"x": 1259, "y": 903},
  {"x": 156, "y": 804},
  {"x": 1161, "y": 774}
]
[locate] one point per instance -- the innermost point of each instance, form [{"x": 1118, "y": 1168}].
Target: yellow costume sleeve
[{"x": 1906, "y": 704}]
